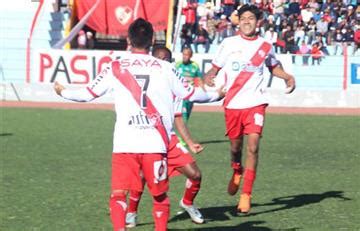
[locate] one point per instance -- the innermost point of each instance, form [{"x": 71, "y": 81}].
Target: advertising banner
[{"x": 114, "y": 17}]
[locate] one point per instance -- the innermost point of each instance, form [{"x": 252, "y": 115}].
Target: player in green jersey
[{"x": 191, "y": 72}]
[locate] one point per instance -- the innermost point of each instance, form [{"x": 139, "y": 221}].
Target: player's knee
[
  {"x": 118, "y": 193},
  {"x": 161, "y": 199},
  {"x": 252, "y": 149},
  {"x": 196, "y": 175}
]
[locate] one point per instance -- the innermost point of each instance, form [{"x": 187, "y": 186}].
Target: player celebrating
[
  {"x": 179, "y": 161},
  {"x": 242, "y": 59},
  {"x": 143, "y": 87}
]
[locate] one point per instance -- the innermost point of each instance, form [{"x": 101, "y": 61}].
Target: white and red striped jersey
[
  {"x": 144, "y": 88},
  {"x": 242, "y": 62}
]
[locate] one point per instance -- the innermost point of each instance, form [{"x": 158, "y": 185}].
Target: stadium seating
[{"x": 15, "y": 26}]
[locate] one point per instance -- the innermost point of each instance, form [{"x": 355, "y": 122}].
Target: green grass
[{"x": 55, "y": 173}]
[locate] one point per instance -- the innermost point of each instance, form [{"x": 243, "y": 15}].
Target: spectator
[
  {"x": 311, "y": 31},
  {"x": 299, "y": 34},
  {"x": 202, "y": 37},
  {"x": 349, "y": 37},
  {"x": 306, "y": 14},
  {"x": 190, "y": 15},
  {"x": 322, "y": 27},
  {"x": 279, "y": 9},
  {"x": 228, "y": 7},
  {"x": 356, "y": 39},
  {"x": 317, "y": 15},
  {"x": 331, "y": 32},
  {"x": 322, "y": 46},
  {"x": 305, "y": 51},
  {"x": 211, "y": 26},
  {"x": 314, "y": 6},
  {"x": 81, "y": 40},
  {"x": 338, "y": 41},
  {"x": 316, "y": 54},
  {"x": 290, "y": 45},
  {"x": 221, "y": 27},
  {"x": 294, "y": 7},
  {"x": 229, "y": 31},
  {"x": 269, "y": 23},
  {"x": 272, "y": 37},
  {"x": 185, "y": 36}
]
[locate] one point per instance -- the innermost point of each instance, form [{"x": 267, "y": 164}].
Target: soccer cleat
[
  {"x": 244, "y": 203},
  {"x": 193, "y": 212},
  {"x": 131, "y": 220},
  {"x": 234, "y": 183}
]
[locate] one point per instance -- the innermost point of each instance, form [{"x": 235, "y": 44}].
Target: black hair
[
  {"x": 141, "y": 33},
  {"x": 157, "y": 49},
  {"x": 252, "y": 8},
  {"x": 187, "y": 48}
]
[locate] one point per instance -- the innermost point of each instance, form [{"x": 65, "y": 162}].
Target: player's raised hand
[
  {"x": 58, "y": 88},
  {"x": 209, "y": 77},
  {"x": 290, "y": 84},
  {"x": 196, "y": 148}
]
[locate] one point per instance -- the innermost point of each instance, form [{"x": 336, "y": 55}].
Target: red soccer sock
[
  {"x": 134, "y": 200},
  {"x": 192, "y": 188},
  {"x": 118, "y": 211},
  {"x": 249, "y": 178},
  {"x": 161, "y": 212},
  {"x": 237, "y": 168}
]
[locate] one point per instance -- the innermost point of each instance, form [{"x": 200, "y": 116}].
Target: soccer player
[
  {"x": 179, "y": 162},
  {"x": 191, "y": 72},
  {"x": 242, "y": 59},
  {"x": 143, "y": 89}
]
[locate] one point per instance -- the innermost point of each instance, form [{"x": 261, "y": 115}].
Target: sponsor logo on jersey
[
  {"x": 248, "y": 67},
  {"x": 143, "y": 121},
  {"x": 139, "y": 63}
]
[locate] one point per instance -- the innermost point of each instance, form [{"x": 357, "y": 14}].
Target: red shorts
[
  {"x": 178, "y": 156},
  {"x": 127, "y": 169},
  {"x": 241, "y": 122}
]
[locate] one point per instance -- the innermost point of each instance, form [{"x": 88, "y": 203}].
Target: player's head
[
  {"x": 187, "y": 54},
  {"x": 162, "y": 52},
  {"x": 140, "y": 34},
  {"x": 248, "y": 18}
]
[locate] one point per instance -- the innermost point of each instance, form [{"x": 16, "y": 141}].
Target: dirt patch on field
[{"x": 200, "y": 108}]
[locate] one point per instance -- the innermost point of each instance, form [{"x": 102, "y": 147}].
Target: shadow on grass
[
  {"x": 295, "y": 201},
  {"x": 213, "y": 141},
  {"x": 6, "y": 134},
  {"x": 249, "y": 225},
  {"x": 210, "y": 214}
]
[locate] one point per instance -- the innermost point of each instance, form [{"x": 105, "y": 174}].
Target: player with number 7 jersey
[{"x": 144, "y": 88}]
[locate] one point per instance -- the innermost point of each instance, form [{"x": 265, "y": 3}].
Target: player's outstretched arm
[
  {"x": 202, "y": 96},
  {"x": 186, "y": 136},
  {"x": 279, "y": 72},
  {"x": 80, "y": 95},
  {"x": 58, "y": 88}
]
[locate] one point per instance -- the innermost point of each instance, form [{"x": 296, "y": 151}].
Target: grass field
[{"x": 55, "y": 167}]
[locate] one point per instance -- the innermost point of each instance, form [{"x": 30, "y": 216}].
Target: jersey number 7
[{"x": 143, "y": 81}]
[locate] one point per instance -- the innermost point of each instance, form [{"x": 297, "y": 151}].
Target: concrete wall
[{"x": 317, "y": 86}]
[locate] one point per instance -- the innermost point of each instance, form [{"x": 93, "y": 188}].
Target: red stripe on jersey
[
  {"x": 191, "y": 93},
  {"x": 244, "y": 76},
  {"x": 129, "y": 82},
  {"x": 216, "y": 66},
  {"x": 91, "y": 92}
]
